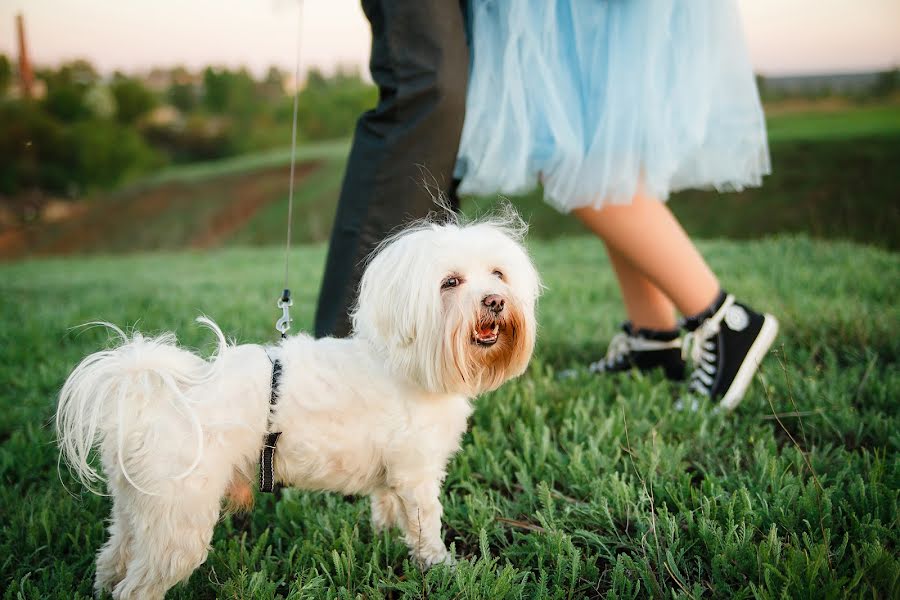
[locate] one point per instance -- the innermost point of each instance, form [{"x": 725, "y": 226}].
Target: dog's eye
[
  {"x": 499, "y": 274},
  {"x": 450, "y": 282}
]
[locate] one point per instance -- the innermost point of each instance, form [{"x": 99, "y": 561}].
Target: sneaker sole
[{"x": 751, "y": 363}]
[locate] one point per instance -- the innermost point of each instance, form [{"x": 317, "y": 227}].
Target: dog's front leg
[{"x": 420, "y": 519}]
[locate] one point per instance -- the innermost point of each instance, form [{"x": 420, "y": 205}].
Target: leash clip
[{"x": 284, "y": 303}]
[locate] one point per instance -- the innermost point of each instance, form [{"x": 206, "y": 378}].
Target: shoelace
[
  {"x": 622, "y": 344},
  {"x": 698, "y": 345}
]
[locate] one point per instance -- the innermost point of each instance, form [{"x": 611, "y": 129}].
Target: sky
[{"x": 785, "y": 37}]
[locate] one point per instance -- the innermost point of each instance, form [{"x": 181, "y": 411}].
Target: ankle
[
  {"x": 692, "y": 322},
  {"x": 653, "y": 333}
]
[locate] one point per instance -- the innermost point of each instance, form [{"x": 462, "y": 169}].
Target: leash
[{"x": 283, "y": 324}]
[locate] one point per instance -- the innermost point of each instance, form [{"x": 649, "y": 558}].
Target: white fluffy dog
[{"x": 445, "y": 313}]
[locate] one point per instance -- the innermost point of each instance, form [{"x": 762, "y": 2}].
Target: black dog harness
[{"x": 267, "y": 454}]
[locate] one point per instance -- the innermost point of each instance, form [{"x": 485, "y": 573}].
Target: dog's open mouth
[{"x": 487, "y": 333}]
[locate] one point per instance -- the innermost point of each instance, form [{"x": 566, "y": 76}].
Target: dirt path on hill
[
  {"x": 174, "y": 215},
  {"x": 252, "y": 194}
]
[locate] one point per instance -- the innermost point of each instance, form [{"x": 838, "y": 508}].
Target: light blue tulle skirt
[{"x": 597, "y": 99}]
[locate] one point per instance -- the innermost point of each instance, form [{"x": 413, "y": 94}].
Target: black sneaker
[
  {"x": 727, "y": 348},
  {"x": 645, "y": 350}
]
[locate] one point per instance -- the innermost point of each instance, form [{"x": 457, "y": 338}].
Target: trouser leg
[{"x": 403, "y": 147}]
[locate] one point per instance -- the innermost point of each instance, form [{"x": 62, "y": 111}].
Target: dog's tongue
[{"x": 486, "y": 331}]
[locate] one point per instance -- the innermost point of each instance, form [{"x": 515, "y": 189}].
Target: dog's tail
[{"x": 111, "y": 390}]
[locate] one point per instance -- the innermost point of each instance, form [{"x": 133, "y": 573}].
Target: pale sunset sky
[{"x": 785, "y": 37}]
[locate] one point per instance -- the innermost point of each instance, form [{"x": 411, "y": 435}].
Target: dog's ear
[
  {"x": 399, "y": 308},
  {"x": 391, "y": 295}
]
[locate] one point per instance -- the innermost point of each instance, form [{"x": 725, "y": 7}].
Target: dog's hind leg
[
  {"x": 113, "y": 556},
  {"x": 171, "y": 538},
  {"x": 386, "y": 510}
]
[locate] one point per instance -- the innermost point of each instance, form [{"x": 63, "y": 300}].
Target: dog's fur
[{"x": 380, "y": 413}]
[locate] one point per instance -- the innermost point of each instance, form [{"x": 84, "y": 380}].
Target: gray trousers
[{"x": 420, "y": 64}]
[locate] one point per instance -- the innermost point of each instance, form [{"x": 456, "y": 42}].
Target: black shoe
[
  {"x": 726, "y": 349},
  {"x": 645, "y": 350}
]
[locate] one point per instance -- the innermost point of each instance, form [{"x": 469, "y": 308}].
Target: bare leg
[
  {"x": 649, "y": 237},
  {"x": 646, "y": 305}
]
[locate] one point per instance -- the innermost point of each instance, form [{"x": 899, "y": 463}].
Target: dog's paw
[{"x": 428, "y": 558}]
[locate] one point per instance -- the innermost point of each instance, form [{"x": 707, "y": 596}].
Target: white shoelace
[
  {"x": 622, "y": 344},
  {"x": 699, "y": 346}
]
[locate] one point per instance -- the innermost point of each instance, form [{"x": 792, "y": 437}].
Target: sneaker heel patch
[{"x": 736, "y": 318}]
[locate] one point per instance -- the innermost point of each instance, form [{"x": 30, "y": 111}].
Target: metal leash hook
[{"x": 284, "y": 303}]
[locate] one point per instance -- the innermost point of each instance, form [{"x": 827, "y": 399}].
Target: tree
[
  {"x": 215, "y": 90},
  {"x": 243, "y": 100},
  {"x": 100, "y": 101},
  {"x": 182, "y": 92},
  {"x": 79, "y": 71},
  {"x": 106, "y": 152},
  {"x": 328, "y": 107},
  {"x": 5, "y": 74},
  {"x": 32, "y": 149},
  {"x": 231, "y": 92},
  {"x": 272, "y": 86},
  {"x": 133, "y": 100},
  {"x": 886, "y": 83},
  {"x": 66, "y": 88}
]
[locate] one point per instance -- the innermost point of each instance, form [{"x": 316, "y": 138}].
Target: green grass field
[{"x": 575, "y": 489}]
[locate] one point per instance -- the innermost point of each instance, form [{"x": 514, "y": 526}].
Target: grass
[
  {"x": 315, "y": 201},
  {"x": 838, "y": 123},
  {"x": 563, "y": 489},
  {"x": 194, "y": 172}
]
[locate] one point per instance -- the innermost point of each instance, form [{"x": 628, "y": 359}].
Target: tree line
[{"x": 81, "y": 131}]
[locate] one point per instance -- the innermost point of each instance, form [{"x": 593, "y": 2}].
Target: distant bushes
[
  {"x": 83, "y": 131},
  {"x": 80, "y": 132},
  {"x": 193, "y": 138},
  {"x": 40, "y": 151},
  {"x": 859, "y": 87},
  {"x": 328, "y": 107}
]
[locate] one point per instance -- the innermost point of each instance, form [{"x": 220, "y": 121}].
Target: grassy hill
[
  {"x": 834, "y": 177},
  {"x": 563, "y": 489}
]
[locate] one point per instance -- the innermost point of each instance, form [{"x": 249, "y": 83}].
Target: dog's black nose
[{"x": 494, "y": 302}]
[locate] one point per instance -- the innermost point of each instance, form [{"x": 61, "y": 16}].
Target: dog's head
[{"x": 451, "y": 306}]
